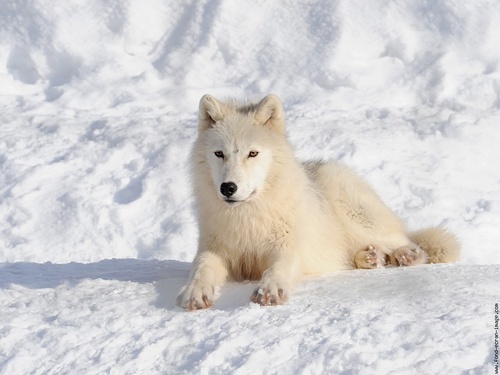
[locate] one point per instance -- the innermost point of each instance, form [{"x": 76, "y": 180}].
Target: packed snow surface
[{"x": 98, "y": 105}]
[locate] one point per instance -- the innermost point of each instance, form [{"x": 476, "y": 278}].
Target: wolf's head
[{"x": 238, "y": 143}]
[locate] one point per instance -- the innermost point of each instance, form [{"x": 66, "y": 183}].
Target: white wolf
[{"x": 265, "y": 216}]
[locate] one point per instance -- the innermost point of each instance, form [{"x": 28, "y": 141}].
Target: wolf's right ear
[{"x": 210, "y": 111}]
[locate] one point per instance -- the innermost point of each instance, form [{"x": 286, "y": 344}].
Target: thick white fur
[{"x": 286, "y": 219}]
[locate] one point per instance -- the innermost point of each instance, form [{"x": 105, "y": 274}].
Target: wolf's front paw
[
  {"x": 371, "y": 257},
  {"x": 269, "y": 293},
  {"x": 409, "y": 256},
  {"x": 196, "y": 296}
]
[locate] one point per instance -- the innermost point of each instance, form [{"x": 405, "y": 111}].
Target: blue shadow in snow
[{"x": 50, "y": 275}]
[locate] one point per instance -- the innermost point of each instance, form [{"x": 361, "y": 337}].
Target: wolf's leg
[
  {"x": 208, "y": 275},
  {"x": 410, "y": 255},
  {"x": 371, "y": 257},
  {"x": 274, "y": 287}
]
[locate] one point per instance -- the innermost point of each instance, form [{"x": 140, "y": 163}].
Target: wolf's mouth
[
  {"x": 234, "y": 202},
  {"x": 231, "y": 201}
]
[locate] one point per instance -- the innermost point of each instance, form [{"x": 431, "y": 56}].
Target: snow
[
  {"x": 118, "y": 316},
  {"x": 98, "y": 103}
]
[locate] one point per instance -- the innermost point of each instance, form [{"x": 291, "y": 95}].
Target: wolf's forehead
[
  {"x": 233, "y": 138},
  {"x": 235, "y": 145}
]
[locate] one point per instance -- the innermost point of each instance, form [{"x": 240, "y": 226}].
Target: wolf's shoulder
[
  {"x": 313, "y": 167},
  {"x": 322, "y": 171}
]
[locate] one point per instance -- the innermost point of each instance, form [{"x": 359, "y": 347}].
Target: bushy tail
[{"x": 440, "y": 245}]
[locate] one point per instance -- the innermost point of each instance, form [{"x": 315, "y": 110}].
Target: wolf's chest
[{"x": 256, "y": 233}]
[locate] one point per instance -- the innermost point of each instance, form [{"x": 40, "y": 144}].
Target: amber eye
[
  {"x": 252, "y": 154},
  {"x": 219, "y": 154}
]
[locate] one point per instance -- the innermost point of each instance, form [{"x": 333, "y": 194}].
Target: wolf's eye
[
  {"x": 219, "y": 154},
  {"x": 252, "y": 154}
]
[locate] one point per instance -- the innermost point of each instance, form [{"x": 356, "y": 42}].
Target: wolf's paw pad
[
  {"x": 409, "y": 256},
  {"x": 196, "y": 297},
  {"x": 371, "y": 257},
  {"x": 271, "y": 295}
]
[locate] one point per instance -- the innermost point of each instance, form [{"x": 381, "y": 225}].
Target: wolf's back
[{"x": 440, "y": 245}]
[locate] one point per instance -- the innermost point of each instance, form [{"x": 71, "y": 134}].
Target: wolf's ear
[
  {"x": 270, "y": 113},
  {"x": 210, "y": 111}
]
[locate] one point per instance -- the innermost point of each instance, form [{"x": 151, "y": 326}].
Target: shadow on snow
[{"x": 168, "y": 276}]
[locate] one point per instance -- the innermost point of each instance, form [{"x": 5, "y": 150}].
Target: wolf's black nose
[{"x": 228, "y": 188}]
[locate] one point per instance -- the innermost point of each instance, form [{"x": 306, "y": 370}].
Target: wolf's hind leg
[
  {"x": 371, "y": 257},
  {"x": 411, "y": 255}
]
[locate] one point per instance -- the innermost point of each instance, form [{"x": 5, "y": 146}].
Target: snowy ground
[
  {"x": 98, "y": 105},
  {"x": 117, "y": 316}
]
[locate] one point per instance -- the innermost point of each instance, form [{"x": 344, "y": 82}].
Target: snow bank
[
  {"x": 98, "y": 105},
  {"x": 99, "y": 101}
]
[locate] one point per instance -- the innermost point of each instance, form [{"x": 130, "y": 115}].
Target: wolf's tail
[{"x": 440, "y": 245}]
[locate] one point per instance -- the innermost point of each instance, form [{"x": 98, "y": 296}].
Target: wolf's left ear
[
  {"x": 270, "y": 113},
  {"x": 210, "y": 111}
]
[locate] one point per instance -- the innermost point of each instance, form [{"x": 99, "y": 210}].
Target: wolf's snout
[{"x": 228, "y": 189}]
